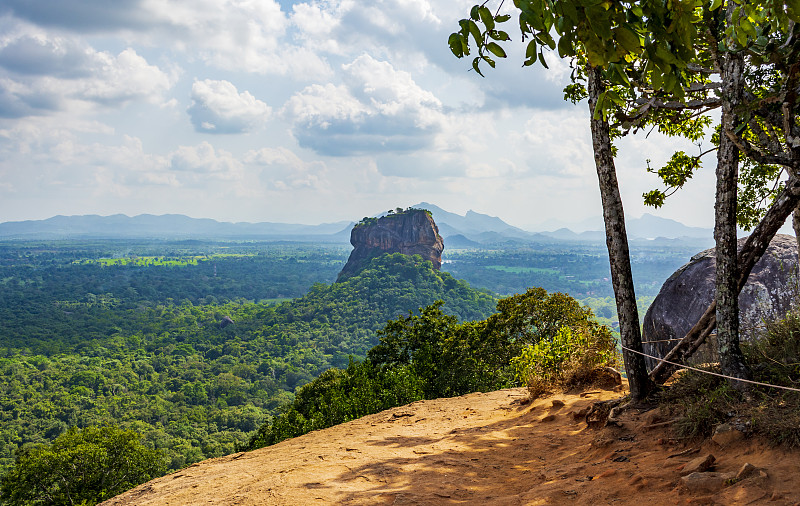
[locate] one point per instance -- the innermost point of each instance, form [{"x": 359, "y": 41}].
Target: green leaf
[
  {"x": 503, "y": 18},
  {"x": 476, "y": 68},
  {"x": 663, "y": 53},
  {"x": 656, "y": 78},
  {"x": 530, "y": 52},
  {"x": 496, "y": 50},
  {"x": 565, "y": 47},
  {"x": 476, "y": 33},
  {"x": 486, "y": 17},
  {"x": 542, "y": 61},
  {"x": 499, "y": 35},
  {"x": 547, "y": 39},
  {"x": 569, "y": 12},
  {"x": 455, "y": 45},
  {"x": 747, "y": 27},
  {"x": 473, "y": 13},
  {"x": 628, "y": 39},
  {"x": 715, "y": 4},
  {"x": 654, "y": 198}
]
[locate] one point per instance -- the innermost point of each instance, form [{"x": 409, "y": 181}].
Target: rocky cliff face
[
  {"x": 411, "y": 232},
  {"x": 770, "y": 291}
]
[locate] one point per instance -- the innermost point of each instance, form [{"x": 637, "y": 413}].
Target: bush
[
  {"x": 338, "y": 396},
  {"x": 431, "y": 354},
  {"x": 570, "y": 357},
  {"x": 81, "y": 466}
]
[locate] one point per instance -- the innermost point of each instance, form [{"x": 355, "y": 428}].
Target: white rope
[{"x": 711, "y": 372}]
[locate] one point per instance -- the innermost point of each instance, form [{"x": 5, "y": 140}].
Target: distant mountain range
[
  {"x": 482, "y": 228},
  {"x": 471, "y": 230},
  {"x": 167, "y": 226}
]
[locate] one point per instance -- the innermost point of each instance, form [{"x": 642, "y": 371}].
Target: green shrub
[
  {"x": 338, "y": 396},
  {"x": 431, "y": 354},
  {"x": 81, "y": 466},
  {"x": 569, "y": 357}
]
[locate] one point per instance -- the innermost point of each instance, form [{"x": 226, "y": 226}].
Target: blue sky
[{"x": 304, "y": 112}]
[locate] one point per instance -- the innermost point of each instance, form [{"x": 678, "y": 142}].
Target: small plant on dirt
[
  {"x": 702, "y": 401},
  {"x": 570, "y": 358}
]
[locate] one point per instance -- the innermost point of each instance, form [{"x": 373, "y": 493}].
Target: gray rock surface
[
  {"x": 411, "y": 232},
  {"x": 770, "y": 291}
]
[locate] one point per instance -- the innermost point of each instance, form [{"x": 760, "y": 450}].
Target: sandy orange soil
[{"x": 484, "y": 448}]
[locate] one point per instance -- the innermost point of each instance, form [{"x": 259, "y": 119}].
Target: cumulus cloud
[
  {"x": 218, "y": 107},
  {"x": 376, "y": 109},
  {"x": 80, "y": 15},
  {"x": 561, "y": 142},
  {"x": 233, "y": 35},
  {"x": 282, "y": 169},
  {"x": 32, "y": 54},
  {"x": 196, "y": 164},
  {"x": 40, "y": 74},
  {"x": 338, "y": 26}
]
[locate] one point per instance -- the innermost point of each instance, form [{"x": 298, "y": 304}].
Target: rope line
[{"x": 711, "y": 372}]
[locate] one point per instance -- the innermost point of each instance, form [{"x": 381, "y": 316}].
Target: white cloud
[
  {"x": 561, "y": 144},
  {"x": 124, "y": 78},
  {"x": 282, "y": 169},
  {"x": 218, "y": 107},
  {"x": 229, "y": 34},
  {"x": 41, "y": 74},
  {"x": 203, "y": 161},
  {"x": 377, "y": 109}
]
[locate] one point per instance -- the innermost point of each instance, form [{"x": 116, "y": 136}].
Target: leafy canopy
[{"x": 81, "y": 466}]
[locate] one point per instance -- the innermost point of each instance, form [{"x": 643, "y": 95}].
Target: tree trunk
[
  {"x": 796, "y": 227},
  {"x": 727, "y": 293},
  {"x": 752, "y": 251},
  {"x": 617, "y": 243}
]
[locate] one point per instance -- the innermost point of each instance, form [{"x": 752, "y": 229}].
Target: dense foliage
[
  {"x": 139, "y": 336},
  {"x": 81, "y": 467},
  {"x": 577, "y": 268},
  {"x": 432, "y": 354},
  {"x": 192, "y": 383}
]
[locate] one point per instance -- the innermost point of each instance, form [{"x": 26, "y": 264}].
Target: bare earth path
[{"x": 484, "y": 448}]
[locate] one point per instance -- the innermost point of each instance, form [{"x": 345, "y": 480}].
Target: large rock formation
[
  {"x": 770, "y": 291},
  {"x": 411, "y": 232}
]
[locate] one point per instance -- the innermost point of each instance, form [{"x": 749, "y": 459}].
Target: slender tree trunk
[
  {"x": 617, "y": 243},
  {"x": 727, "y": 275},
  {"x": 752, "y": 251},
  {"x": 796, "y": 227}
]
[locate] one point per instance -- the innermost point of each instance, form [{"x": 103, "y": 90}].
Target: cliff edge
[{"x": 410, "y": 232}]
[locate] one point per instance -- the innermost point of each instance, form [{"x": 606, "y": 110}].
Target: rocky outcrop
[
  {"x": 770, "y": 291},
  {"x": 410, "y": 232}
]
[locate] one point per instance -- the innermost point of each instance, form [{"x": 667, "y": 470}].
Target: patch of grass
[{"x": 704, "y": 401}]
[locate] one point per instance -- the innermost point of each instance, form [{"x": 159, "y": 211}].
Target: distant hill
[
  {"x": 646, "y": 227},
  {"x": 480, "y": 229},
  {"x": 169, "y": 226},
  {"x": 649, "y": 226},
  {"x": 470, "y": 230},
  {"x": 474, "y": 227}
]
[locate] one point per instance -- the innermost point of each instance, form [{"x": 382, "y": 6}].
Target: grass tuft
[{"x": 704, "y": 401}]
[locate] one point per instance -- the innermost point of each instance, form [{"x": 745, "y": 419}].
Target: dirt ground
[{"x": 484, "y": 448}]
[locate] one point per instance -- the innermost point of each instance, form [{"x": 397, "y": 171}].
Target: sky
[{"x": 311, "y": 112}]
